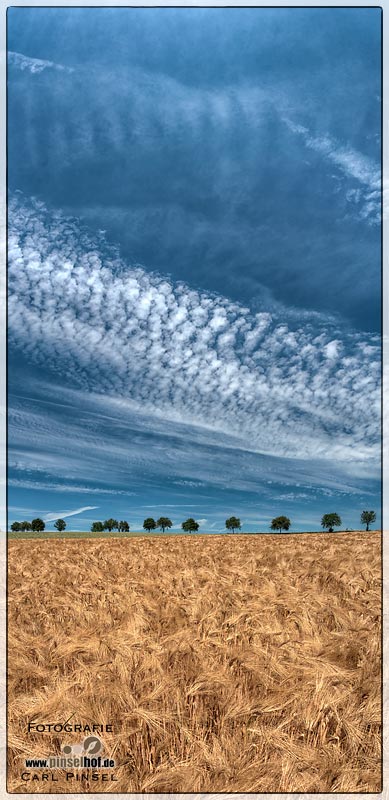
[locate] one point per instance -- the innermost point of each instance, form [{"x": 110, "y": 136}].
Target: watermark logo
[
  {"x": 91, "y": 746},
  {"x": 81, "y": 755}
]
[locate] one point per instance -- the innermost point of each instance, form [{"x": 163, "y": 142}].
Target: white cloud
[
  {"x": 34, "y": 65},
  {"x": 162, "y": 450},
  {"x": 191, "y": 484},
  {"x": 172, "y": 505},
  {"x": 184, "y": 357},
  {"x": 62, "y": 514},
  {"x": 353, "y": 165},
  {"x": 19, "y": 483},
  {"x": 331, "y": 349}
]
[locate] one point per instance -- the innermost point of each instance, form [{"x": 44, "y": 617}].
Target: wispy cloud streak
[
  {"x": 62, "y": 514},
  {"x": 353, "y": 165},
  {"x": 34, "y": 65}
]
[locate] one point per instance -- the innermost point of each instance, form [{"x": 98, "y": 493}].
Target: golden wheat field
[{"x": 233, "y": 663}]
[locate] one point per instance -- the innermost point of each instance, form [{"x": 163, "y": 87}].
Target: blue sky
[{"x": 194, "y": 264}]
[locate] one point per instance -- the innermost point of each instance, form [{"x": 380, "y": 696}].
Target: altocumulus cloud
[{"x": 76, "y": 308}]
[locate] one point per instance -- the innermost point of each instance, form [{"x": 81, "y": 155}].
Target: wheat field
[{"x": 235, "y": 663}]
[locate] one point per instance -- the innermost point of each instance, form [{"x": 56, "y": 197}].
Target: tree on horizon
[
  {"x": 233, "y": 524},
  {"x": 60, "y": 525},
  {"x": 280, "y": 524},
  {"x": 331, "y": 521},
  {"x": 163, "y": 523},
  {"x": 149, "y": 524},
  {"x": 123, "y": 526},
  {"x": 37, "y": 525},
  {"x": 97, "y": 527},
  {"x": 190, "y": 525},
  {"x": 367, "y": 517},
  {"x": 110, "y": 524}
]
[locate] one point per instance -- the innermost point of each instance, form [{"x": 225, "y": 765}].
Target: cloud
[
  {"x": 19, "y": 483},
  {"x": 331, "y": 349},
  {"x": 34, "y": 65},
  {"x": 113, "y": 442},
  {"x": 183, "y": 356},
  {"x": 353, "y": 165},
  {"x": 61, "y": 514},
  {"x": 191, "y": 484},
  {"x": 190, "y": 177}
]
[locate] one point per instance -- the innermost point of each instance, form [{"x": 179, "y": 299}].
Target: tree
[
  {"x": 25, "y": 526},
  {"x": 367, "y": 517},
  {"x": 163, "y": 523},
  {"x": 149, "y": 524},
  {"x": 123, "y": 526},
  {"x": 190, "y": 525},
  {"x": 331, "y": 521},
  {"x": 97, "y": 527},
  {"x": 233, "y": 523},
  {"x": 38, "y": 524},
  {"x": 110, "y": 524},
  {"x": 16, "y": 526},
  {"x": 280, "y": 524},
  {"x": 60, "y": 525}
]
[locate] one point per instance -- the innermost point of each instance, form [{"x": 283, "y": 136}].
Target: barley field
[{"x": 233, "y": 663}]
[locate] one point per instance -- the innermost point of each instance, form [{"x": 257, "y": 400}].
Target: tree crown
[
  {"x": 149, "y": 524},
  {"x": 164, "y": 522},
  {"x": 190, "y": 525},
  {"x": 110, "y": 524},
  {"x": 367, "y": 517},
  {"x": 233, "y": 523},
  {"x": 331, "y": 521},
  {"x": 37, "y": 524},
  {"x": 280, "y": 524}
]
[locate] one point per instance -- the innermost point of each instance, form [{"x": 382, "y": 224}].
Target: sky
[{"x": 194, "y": 265}]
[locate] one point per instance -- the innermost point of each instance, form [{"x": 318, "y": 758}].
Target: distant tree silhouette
[
  {"x": 110, "y": 524},
  {"x": 233, "y": 524},
  {"x": 25, "y": 526},
  {"x": 16, "y": 526},
  {"x": 37, "y": 525},
  {"x": 190, "y": 525},
  {"x": 280, "y": 524},
  {"x": 163, "y": 523},
  {"x": 60, "y": 525},
  {"x": 123, "y": 526},
  {"x": 367, "y": 517},
  {"x": 97, "y": 527},
  {"x": 149, "y": 524},
  {"x": 330, "y": 521}
]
